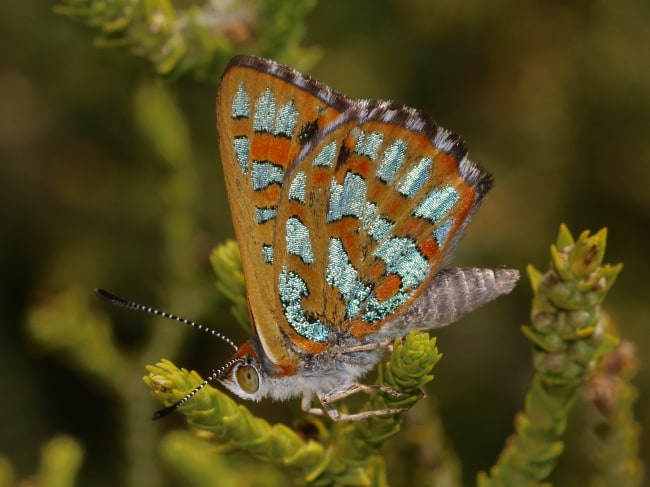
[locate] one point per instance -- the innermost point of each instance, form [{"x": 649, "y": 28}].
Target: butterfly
[{"x": 345, "y": 212}]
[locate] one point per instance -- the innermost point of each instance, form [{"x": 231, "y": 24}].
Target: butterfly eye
[{"x": 248, "y": 379}]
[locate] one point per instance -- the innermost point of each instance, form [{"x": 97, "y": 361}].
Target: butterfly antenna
[
  {"x": 123, "y": 303},
  {"x": 216, "y": 374}
]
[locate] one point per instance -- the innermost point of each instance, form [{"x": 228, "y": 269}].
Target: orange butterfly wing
[
  {"x": 265, "y": 114},
  {"x": 384, "y": 195},
  {"x": 344, "y": 210}
]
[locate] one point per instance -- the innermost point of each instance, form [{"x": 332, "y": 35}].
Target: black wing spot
[
  {"x": 307, "y": 131},
  {"x": 344, "y": 154}
]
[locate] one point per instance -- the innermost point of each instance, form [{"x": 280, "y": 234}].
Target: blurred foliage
[
  {"x": 198, "y": 39},
  {"x": 226, "y": 262},
  {"x": 61, "y": 459},
  {"x": 617, "y": 432},
  {"x": 111, "y": 178}
]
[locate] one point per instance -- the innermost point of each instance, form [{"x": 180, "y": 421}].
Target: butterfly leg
[
  {"x": 355, "y": 388},
  {"x": 327, "y": 400},
  {"x": 305, "y": 404},
  {"x": 330, "y": 410}
]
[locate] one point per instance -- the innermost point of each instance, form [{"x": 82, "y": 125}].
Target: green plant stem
[{"x": 569, "y": 338}]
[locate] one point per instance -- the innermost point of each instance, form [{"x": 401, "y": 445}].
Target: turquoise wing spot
[
  {"x": 348, "y": 198},
  {"x": 379, "y": 228},
  {"x": 342, "y": 275},
  {"x": 240, "y": 103},
  {"x": 402, "y": 257},
  {"x": 391, "y": 161},
  {"x": 437, "y": 204},
  {"x": 369, "y": 212},
  {"x": 242, "y": 148},
  {"x": 264, "y": 112},
  {"x": 267, "y": 253},
  {"x": 325, "y": 157},
  {"x": 264, "y": 174},
  {"x": 286, "y": 120},
  {"x": 292, "y": 289},
  {"x": 368, "y": 145},
  {"x": 265, "y": 214},
  {"x": 299, "y": 240},
  {"x": 298, "y": 187},
  {"x": 376, "y": 310},
  {"x": 442, "y": 232},
  {"x": 415, "y": 178}
]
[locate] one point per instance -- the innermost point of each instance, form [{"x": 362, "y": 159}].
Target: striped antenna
[
  {"x": 123, "y": 303},
  {"x": 215, "y": 375}
]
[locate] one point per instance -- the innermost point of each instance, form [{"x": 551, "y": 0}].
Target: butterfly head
[
  {"x": 244, "y": 374},
  {"x": 252, "y": 375}
]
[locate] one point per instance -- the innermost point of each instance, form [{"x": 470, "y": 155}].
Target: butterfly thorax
[{"x": 333, "y": 369}]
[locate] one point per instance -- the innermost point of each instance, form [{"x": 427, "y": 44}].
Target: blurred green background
[{"x": 552, "y": 98}]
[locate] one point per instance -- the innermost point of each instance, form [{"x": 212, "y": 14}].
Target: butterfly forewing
[{"x": 266, "y": 113}]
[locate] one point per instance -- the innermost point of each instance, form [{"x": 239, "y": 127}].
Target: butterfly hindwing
[{"x": 372, "y": 208}]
